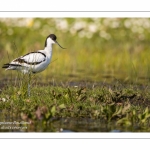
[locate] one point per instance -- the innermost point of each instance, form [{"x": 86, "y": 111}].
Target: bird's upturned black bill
[{"x": 59, "y": 45}]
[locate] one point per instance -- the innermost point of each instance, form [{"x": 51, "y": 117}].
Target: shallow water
[
  {"x": 71, "y": 125},
  {"x": 90, "y": 125}
]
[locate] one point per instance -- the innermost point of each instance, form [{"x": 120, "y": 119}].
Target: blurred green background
[{"x": 98, "y": 49}]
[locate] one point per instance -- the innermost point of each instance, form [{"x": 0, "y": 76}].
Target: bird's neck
[{"x": 48, "y": 50}]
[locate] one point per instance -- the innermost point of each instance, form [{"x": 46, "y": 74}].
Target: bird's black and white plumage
[{"x": 34, "y": 62}]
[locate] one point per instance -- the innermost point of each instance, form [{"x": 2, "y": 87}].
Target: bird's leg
[
  {"x": 29, "y": 84},
  {"x": 28, "y": 89}
]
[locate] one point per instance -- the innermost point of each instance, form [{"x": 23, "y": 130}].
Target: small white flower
[
  {"x": 105, "y": 35},
  {"x": 3, "y": 99},
  {"x": 92, "y": 28}
]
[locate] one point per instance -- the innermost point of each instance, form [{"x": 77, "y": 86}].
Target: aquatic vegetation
[{"x": 114, "y": 106}]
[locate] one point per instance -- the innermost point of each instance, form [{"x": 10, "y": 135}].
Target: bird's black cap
[{"x": 53, "y": 37}]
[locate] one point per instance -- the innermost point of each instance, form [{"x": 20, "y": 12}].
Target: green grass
[{"x": 125, "y": 55}]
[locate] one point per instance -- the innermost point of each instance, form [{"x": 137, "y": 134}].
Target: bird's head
[{"x": 51, "y": 39}]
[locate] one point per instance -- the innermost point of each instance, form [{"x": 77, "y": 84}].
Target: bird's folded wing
[{"x": 32, "y": 58}]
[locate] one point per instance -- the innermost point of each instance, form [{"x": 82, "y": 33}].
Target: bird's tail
[
  {"x": 6, "y": 65},
  {"x": 11, "y": 66}
]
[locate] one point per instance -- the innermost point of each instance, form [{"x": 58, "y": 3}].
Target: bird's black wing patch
[{"x": 9, "y": 65}]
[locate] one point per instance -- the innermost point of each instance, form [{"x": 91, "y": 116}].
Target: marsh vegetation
[{"x": 99, "y": 83}]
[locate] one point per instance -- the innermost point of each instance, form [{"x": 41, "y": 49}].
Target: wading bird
[{"x": 34, "y": 62}]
